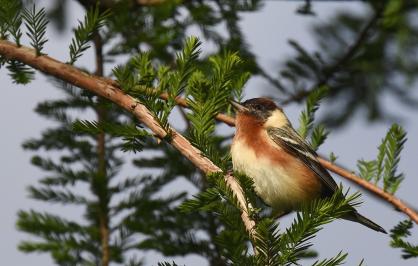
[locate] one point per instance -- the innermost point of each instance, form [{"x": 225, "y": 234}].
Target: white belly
[{"x": 274, "y": 185}]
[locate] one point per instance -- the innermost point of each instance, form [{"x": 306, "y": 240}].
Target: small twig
[{"x": 230, "y": 121}]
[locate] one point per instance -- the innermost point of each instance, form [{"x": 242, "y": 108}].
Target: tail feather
[{"x": 357, "y": 217}]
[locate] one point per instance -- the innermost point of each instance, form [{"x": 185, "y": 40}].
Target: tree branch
[{"x": 102, "y": 87}]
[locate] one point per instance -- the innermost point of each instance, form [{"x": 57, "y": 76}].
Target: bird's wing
[{"x": 289, "y": 140}]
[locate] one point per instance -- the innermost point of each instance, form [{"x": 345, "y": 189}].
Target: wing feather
[{"x": 289, "y": 140}]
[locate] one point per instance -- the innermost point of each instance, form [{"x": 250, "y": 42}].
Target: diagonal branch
[{"x": 102, "y": 87}]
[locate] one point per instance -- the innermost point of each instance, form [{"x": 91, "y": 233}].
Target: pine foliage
[
  {"x": 273, "y": 246},
  {"x": 130, "y": 203},
  {"x": 93, "y": 21},
  {"x": 10, "y": 20},
  {"x": 398, "y": 233},
  {"x": 19, "y": 72},
  {"x": 36, "y": 22},
  {"x": 307, "y": 117},
  {"x": 384, "y": 167},
  {"x": 349, "y": 60},
  {"x": 133, "y": 137},
  {"x": 207, "y": 95},
  {"x": 10, "y": 23}
]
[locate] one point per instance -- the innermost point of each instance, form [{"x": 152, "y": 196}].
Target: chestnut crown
[{"x": 262, "y": 108}]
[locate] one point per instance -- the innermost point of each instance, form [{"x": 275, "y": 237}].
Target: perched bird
[{"x": 284, "y": 168}]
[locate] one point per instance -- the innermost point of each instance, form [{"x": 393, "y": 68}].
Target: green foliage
[
  {"x": 309, "y": 221},
  {"x": 14, "y": 28},
  {"x": 319, "y": 135},
  {"x": 66, "y": 240},
  {"x": 167, "y": 264},
  {"x": 85, "y": 30},
  {"x": 131, "y": 204},
  {"x": 394, "y": 141},
  {"x": 306, "y": 120},
  {"x": 267, "y": 241},
  {"x": 36, "y": 22},
  {"x": 133, "y": 138},
  {"x": 220, "y": 200},
  {"x": 333, "y": 157},
  {"x": 139, "y": 77},
  {"x": 207, "y": 95},
  {"x": 176, "y": 81},
  {"x": 10, "y": 19},
  {"x": 398, "y": 233},
  {"x": 273, "y": 247},
  {"x": 385, "y": 166},
  {"x": 353, "y": 53},
  {"x": 367, "y": 169},
  {"x": 337, "y": 260},
  {"x": 19, "y": 72},
  {"x": 308, "y": 115}
]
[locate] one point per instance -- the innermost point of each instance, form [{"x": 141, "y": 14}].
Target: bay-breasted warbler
[{"x": 284, "y": 168}]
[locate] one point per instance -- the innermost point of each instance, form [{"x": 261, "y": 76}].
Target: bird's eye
[{"x": 258, "y": 107}]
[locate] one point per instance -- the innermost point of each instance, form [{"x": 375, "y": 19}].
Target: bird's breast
[{"x": 282, "y": 182}]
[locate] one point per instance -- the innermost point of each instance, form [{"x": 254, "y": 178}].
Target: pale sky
[{"x": 267, "y": 32}]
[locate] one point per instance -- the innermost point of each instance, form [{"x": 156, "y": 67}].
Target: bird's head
[{"x": 262, "y": 111}]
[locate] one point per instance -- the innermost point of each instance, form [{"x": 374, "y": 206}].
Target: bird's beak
[{"x": 238, "y": 106}]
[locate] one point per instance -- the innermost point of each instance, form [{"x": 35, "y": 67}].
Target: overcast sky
[{"x": 267, "y": 32}]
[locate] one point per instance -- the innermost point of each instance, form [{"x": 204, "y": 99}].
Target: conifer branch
[{"x": 102, "y": 87}]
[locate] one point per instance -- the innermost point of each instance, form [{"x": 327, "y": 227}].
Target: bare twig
[{"x": 102, "y": 87}]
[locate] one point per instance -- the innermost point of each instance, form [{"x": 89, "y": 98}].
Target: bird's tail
[{"x": 357, "y": 217}]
